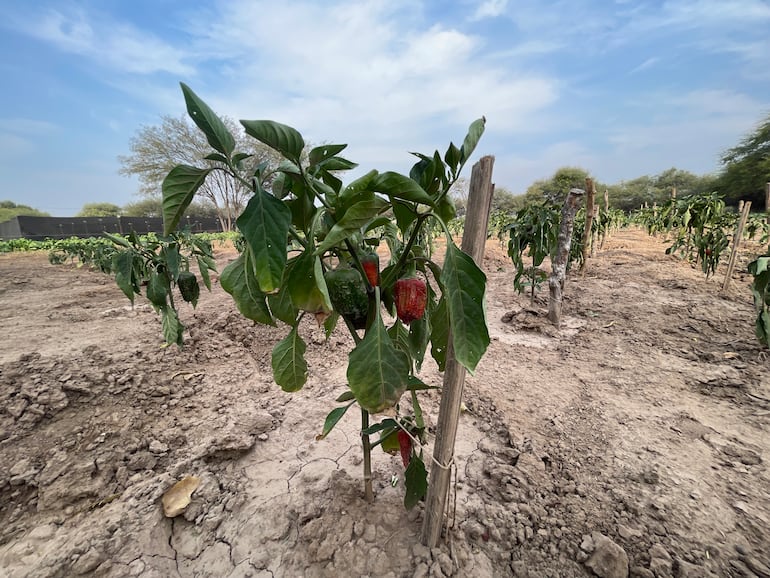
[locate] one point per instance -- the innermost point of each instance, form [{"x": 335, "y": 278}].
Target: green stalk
[
  {"x": 386, "y": 282},
  {"x": 368, "y": 491}
]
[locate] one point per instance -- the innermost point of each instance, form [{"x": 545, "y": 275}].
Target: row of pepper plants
[
  {"x": 309, "y": 251},
  {"x": 701, "y": 230},
  {"x": 533, "y": 235}
]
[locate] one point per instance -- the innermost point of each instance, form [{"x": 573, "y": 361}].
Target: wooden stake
[
  {"x": 606, "y": 199},
  {"x": 736, "y": 243},
  {"x": 673, "y": 192},
  {"x": 767, "y": 202},
  {"x": 474, "y": 239},
  {"x": 587, "y": 237},
  {"x": 559, "y": 265}
]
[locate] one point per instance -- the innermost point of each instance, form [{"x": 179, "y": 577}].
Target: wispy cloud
[
  {"x": 27, "y": 126},
  {"x": 366, "y": 66},
  {"x": 649, "y": 63},
  {"x": 115, "y": 45},
  {"x": 490, "y": 9}
]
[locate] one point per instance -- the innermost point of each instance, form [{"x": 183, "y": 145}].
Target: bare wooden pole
[
  {"x": 474, "y": 239},
  {"x": 606, "y": 199},
  {"x": 767, "y": 202},
  {"x": 559, "y": 265},
  {"x": 587, "y": 237},
  {"x": 736, "y": 243},
  {"x": 673, "y": 192}
]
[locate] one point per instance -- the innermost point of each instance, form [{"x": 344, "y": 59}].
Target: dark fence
[{"x": 39, "y": 228}]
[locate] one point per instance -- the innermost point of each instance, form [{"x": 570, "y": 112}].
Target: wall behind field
[{"x": 39, "y": 228}]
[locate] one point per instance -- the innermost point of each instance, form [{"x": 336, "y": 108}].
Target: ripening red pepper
[
  {"x": 371, "y": 264},
  {"x": 411, "y": 296},
  {"x": 405, "y": 445}
]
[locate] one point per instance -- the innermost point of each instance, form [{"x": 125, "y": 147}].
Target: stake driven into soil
[
  {"x": 474, "y": 238},
  {"x": 559, "y": 267}
]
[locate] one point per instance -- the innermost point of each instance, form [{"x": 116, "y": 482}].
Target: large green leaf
[
  {"x": 285, "y": 139},
  {"x": 378, "y": 373},
  {"x": 419, "y": 334},
  {"x": 452, "y": 158},
  {"x": 439, "y": 335},
  {"x": 248, "y": 298},
  {"x": 464, "y": 284},
  {"x": 123, "y": 267},
  {"x": 288, "y": 361},
  {"x": 212, "y": 126},
  {"x": 416, "y": 482},
  {"x": 358, "y": 190},
  {"x": 400, "y": 187},
  {"x": 399, "y": 335},
  {"x": 179, "y": 188},
  {"x": 762, "y": 328},
  {"x": 323, "y": 152},
  {"x": 405, "y": 215},
  {"x": 332, "y": 419},
  {"x": 282, "y": 307},
  {"x": 173, "y": 330},
  {"x": 472, "y": 139},
  {"x": 355, "y": 218},
  {"x": 265, "y": 225},
  {"x": 307, "y": 286}
]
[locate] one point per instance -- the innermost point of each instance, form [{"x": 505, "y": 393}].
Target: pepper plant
[
  {"x": 699, "y": 226},
  {"x": 760, "y": 288},
  {"x": 308, "y": 239},
  {"x": 534, "y": 230},
  {"x": 160, "y": 264}
]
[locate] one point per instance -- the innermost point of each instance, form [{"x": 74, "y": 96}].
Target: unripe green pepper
[
  {"x": 188, "y": 287},
  {"x": 347, "y": 292}
]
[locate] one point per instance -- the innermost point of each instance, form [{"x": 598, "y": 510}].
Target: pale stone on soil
[{"x": 608, "y": 560}]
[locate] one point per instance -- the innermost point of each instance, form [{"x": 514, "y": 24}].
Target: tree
[
  {"x": 505, "y": 200},
  {"x": 99, "y": 210},
  {"x": 155, "y": 150},
  {"x": 630, "y": 195},
  {"x": 558, "y": 186},
  {"x": 9, "y": 210},
  {"x": 153, "y": 207},
  {"x": 746, "y": 167}
]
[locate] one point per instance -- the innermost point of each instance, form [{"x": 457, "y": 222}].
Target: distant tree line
[{"x": 156, "y": 149}]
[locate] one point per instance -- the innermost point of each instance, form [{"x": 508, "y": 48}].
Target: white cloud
[
  {"x": 27, "y": 126},
  {"x": 116, "y": 45},
  {"x": 490, "y": 9},
  {"x": 14, "y": 146},
  {"x": 649, "y": 63},
  {"x": 363, "y": 72},
  {"x": 695, "y": 13}
]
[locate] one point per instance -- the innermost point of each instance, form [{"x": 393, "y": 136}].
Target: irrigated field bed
[{"x": 644, "y": 421}]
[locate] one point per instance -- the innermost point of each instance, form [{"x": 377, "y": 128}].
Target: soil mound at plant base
[{"x": 643, "y": 421}]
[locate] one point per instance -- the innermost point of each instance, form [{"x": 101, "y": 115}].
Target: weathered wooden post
[
  {"x": 767, "y": 202},
  {"x": 587, "y": 237},
  {"x": 736, "y": 243},
  {"x": 606, "y": 199},
  {"x": 673, "y": 192},
  {"x": 560, "y": 261},
  {"x": 474, "y": 239}
]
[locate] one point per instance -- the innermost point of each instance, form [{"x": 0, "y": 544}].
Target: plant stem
[
  {"x": 368, "y": 492},
  {"x": 386, "y": 282}
]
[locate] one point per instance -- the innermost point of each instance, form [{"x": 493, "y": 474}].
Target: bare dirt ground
[{"x": 639, "y": 430}]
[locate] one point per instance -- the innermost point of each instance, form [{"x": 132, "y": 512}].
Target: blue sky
[{"x": 622, "y": 88}]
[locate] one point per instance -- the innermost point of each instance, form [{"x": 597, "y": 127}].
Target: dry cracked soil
[{"x": 632, "y": 441}]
